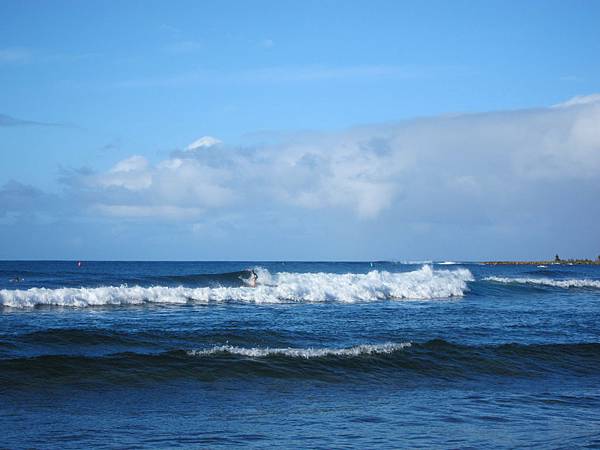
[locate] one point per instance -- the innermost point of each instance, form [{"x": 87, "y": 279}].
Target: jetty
[{"x": 556, "y": 261}]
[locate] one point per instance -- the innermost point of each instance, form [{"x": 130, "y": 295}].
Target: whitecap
[
  {"x": 570, "y": 283},
  {"x": 422, "y": 284},
  {"x": 306, "y": 353}
]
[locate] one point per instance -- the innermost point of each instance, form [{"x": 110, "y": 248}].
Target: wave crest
[
  {"x": 306, "y": 353},
  {"x": 421, "y": 284},
  {"x": 570, "y": 283}
]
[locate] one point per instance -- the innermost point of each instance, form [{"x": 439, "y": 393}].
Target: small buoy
[{"x": 78, "y": 263}]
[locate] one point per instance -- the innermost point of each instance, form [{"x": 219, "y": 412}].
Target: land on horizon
[{"x": 556, "y": 261}]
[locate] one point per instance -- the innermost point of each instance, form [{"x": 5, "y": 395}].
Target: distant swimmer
[
  {"x": 16, "y": 280},
  {"x": 253, "y": 278}
]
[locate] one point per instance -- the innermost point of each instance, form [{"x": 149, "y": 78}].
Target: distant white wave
[
  {"x": 421, "y": 284},
  {"x": 447, "y": 263},
  {"x": 571, "y": 283},
  {"x": 307, "y": 353},
  {"x": 412, "y": 263}
]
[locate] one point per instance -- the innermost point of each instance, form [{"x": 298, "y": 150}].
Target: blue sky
[{"x": 337, "y": 130}]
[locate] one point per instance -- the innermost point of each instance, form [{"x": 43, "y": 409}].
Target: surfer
[{"x": 253, "y": 278}]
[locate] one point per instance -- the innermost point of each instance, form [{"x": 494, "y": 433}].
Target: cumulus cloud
[
  {"x": 203, "y": 142},
  {"x": 502, "y": 167},
  {"x": 174, "y": 188},
  {"x": 579, "y": 100}
]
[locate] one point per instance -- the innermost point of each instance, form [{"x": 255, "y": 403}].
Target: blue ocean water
[{"x": 319, "y": 355}]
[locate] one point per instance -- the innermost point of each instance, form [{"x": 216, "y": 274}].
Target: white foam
[
  {"x": 421, "y": 284},
  {"x": 578, "y": 283},
  {"x": 307, "y": 353},
  {"x": 412, "y": 263}
]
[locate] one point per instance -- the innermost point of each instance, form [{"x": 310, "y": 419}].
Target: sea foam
[
  {"x": 421, "y": 284},
  {"x": 306, "y": 353},
  {"x": 570, "y": 283}
]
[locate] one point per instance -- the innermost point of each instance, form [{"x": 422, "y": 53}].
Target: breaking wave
[
  {"x": 421, "y": 284},
  {"x": 307, "y": 353},
  {"x": 408, "y": 362},
  {"x": 571, "y": 283}
]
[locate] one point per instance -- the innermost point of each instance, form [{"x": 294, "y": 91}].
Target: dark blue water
[{"x": 362, "y": 355}]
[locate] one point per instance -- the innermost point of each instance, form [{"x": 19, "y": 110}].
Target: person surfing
[{"x": 253, "y": 278}]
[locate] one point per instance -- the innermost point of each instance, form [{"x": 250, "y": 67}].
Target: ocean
[{"x": 317, "y": 355}]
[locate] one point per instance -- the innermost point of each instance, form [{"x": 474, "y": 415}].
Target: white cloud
[
  {"x": 579, "y": 100},
  {"x": 131, "y": 173},
  {"x": 479, "y": 168},
  {"x": 174, "y": 188},
  {"x": 203, "y": 142},
  {"x": 131, "y": 164}
]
